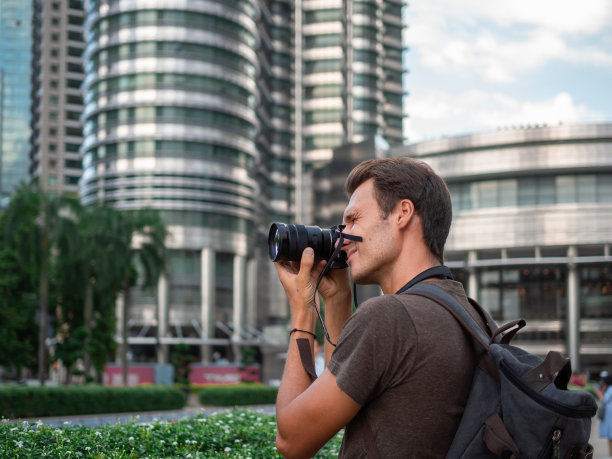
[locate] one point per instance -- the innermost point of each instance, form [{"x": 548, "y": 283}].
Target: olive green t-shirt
[{"x": 409, "y": 364}]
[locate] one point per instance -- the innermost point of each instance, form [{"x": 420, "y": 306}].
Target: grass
[{"x": 234, "y": 434}]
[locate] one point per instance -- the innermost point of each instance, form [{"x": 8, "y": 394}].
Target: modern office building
[
  {"x": 57, "y": 102},
  {"x": 217, "y": 113},
  {"x": 531, "y": 234},
  {"x": 15, "y": 52}
]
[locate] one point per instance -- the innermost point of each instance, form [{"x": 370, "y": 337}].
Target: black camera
[{"x": 286, "y": 242}]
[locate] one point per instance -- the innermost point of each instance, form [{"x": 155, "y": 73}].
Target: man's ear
[{"x": 405, "y": 213}]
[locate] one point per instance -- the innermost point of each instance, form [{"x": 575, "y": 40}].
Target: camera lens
[{"x": 286, "y": 242}]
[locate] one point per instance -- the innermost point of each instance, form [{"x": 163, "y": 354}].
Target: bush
[
  {"x": 239, "y": 394},
  {"x": 236, "y": 434},
  {"x": 23, "y": 401}
]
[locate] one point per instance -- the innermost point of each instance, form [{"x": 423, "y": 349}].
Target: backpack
[{"x": 518, "y": 405}]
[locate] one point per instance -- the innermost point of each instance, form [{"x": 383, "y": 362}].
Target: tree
[
  {"x": 32, "y": 223},
  {"x": 90, "y": 281},
  {"x": 142, "y": 235},
  {"x": 17, "y": 314}
]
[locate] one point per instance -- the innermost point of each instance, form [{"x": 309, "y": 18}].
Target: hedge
[
  {"x": 239, "y": 394},
  {"x": 236, "y": 434},
  {"x": 24, "y": 401}
]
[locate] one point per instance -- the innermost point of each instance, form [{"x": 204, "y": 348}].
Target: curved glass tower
[
  {"x": 213, "y": 112},
  {"x": 169, "y": 124}
]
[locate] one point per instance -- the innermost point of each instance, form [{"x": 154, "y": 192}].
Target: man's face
[{"x": 371, "y": 258}]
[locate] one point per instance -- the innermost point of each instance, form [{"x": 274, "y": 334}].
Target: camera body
[{"x": 287, "y": 241}]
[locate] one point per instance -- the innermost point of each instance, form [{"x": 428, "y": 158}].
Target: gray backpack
[{"x": 518, "y": 405}]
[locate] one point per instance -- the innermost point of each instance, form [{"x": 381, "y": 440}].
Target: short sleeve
[{"x": 376, "y": 348}]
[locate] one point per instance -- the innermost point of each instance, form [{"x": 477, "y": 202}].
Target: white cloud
[
  {"x": 472, "y": 111},
  {"x": 498, "y": 41}
]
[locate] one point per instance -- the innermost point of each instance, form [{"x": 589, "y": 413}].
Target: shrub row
[
  {"x": 239, "y": 394},
  {"x": 23, "y": 401},
  {"x": 236, "y": 434}
]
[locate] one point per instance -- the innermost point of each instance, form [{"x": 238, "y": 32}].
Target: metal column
[
  {"x": 573, "y": 313},
  {"x": 239, "y": 287},
  {"x": 207, "y": 286},
  {"x": 162, "y": 319}
]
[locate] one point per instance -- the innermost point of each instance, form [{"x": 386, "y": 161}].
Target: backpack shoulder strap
[{"x": 452, "y": 306}]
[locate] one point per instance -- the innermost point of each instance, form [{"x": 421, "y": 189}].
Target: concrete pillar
[
  {"x": 251, "y": 301},
  {"x": 239, "y": 297},
  {"x": 473, "y": 279},
  {"x": 207, "y": 286},
  {"x": 162, "y": 319},
  {"x": 573, "y": 313}
]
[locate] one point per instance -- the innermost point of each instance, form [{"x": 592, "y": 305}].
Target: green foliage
[
  {"x": 18, "y": 333},
  {"x": 181, "y": 358},
  {"x": 239, "y": 394},
  {"x": 71, "y": 261},
  {"x": 22, "y": 401},
  {"x": 236, "y": 434}
]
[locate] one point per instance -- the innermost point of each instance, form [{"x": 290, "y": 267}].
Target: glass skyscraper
[
  {"x": 217, "y": 113},
  {"x": 15, "y": 56}
]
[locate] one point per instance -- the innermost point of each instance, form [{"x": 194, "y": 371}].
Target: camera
[{"x": 287, "y": 241}]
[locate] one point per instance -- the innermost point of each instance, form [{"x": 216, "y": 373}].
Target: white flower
[
  {"x": 237, "y": 440},
  {"x": 88, "y": 448},
  {"x": 18, "y": 444},
  {"x": 67, "y": 423},
  {"x": 98, "y": 434},
  {"x": 189, "y": 455},
  {"x": 57, "y": 432},
  {"x": 14, "y": 429},
  {"x": 174, "y": 443},
  {"x": 162, "y": 442},
  {"x": 39, "y": 423},
  {"x": 131, "y": 439},
  {"x": 227, "y": 449}
]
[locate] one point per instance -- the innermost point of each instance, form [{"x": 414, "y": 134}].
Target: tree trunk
[
  {"x": 88, "y": 320},
  {"x": 43, "y": 290},
  {"x": 124, "y": 334}
]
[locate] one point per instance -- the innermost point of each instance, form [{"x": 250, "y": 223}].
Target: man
[{"x": 399, "y": 376}]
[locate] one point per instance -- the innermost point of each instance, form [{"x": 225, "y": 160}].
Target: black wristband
[{"x": 303, "y": 331}]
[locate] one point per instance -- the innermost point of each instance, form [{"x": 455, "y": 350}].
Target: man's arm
[{"x": 308, "y": 414}]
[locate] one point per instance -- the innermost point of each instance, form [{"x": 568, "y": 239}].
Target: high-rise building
[
  {"x": 57, "y": 103},
  {"x": 216, "y": 113},
  {"x": 15, "y": 51}
]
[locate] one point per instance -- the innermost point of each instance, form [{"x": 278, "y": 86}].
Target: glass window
[
  {"x": 604, "y": 188},
  {"x": 487, "y": 194},
  {"x": 566, "y": 188},
  {"x": 586, "y": 188},
  {"x": 507, "y": 193},
  {"x": 596, "y": 291},
  {"x": 526, "y": 191},
  {"x": 546, "y": 190}
]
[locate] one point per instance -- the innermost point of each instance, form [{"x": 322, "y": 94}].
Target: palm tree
[
  {"x": 87, "y": 263},
  {"x": 33, "y": 222},
  {"x": 142, "y": 235}
]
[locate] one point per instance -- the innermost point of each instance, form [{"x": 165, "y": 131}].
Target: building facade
[
  {"x": 216, "y": 114},
  {"x": 531, "y": 234},
  {"x": 15, "y": 52},
  {"x": 57, "y": 102}
]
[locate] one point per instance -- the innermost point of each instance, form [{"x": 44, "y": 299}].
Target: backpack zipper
[{"x": 578, "y": 412}]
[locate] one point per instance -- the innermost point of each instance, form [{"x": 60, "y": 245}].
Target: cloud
[
  {"x": 474, "y": 110},
  {"x": 498, "y": 41}
]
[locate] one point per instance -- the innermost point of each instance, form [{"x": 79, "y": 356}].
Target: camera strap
[{"x": 341, "y": 238}]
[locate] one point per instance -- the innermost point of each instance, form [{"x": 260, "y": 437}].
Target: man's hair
[{"x": 408, "y": 178}]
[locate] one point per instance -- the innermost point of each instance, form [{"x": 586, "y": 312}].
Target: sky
[{"x": 482, "y": 65}]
